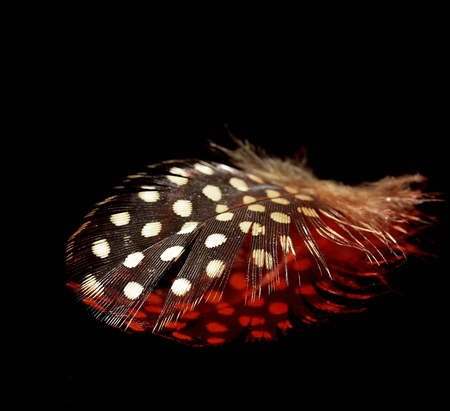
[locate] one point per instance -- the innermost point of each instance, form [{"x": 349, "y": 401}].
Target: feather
[{"x": 202, "y": 252}]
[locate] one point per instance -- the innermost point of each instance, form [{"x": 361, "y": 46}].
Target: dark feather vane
[{"x": 201, "y": 252}]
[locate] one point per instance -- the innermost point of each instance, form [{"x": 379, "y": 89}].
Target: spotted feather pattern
[{"x": 201, "y": 252}]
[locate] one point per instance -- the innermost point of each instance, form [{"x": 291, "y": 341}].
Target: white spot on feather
[
  {"x": 239, "y": 184},
  {"x": 304, "y": 197},
  {"x": 149, "y": 196},
  {"x": 225, "y": 217},
  {"x": 257, "y": 207},
  {"x": 172, "y": 253},
  {"x": 258, "y": 229},
  {"x": 280, "y": 218},
  {"x": 120, "y": 219},
  {"x": 281, "y": 200},
  {"x": 151, "y": 229},
  {"x": 220, "y": 208},
  {"x": 181, "y": 286},
  {"x": 91, "y": 287},
  {"x": 204, "y": 169},
  {"x": 183, "y": 208},
  {"x": 133, "y": 259},
  {"x": 212, "y": 192},
  {"x": 101, "y": 248},
  {"x": 180, "y": 177},
  {"x": 256, "y": 179},
  {"x": 286, "y": 244},
  {"x": 188, "y": 227},
  {"x": 291, "y": 190},
  {"x": 133, "y": 290},
  {"x": 262, "y": 258},
  {"x": 245, "y": 226},
  {"x": 215, "y": 268},
  {"x": 215, "y": 240},
  {"x": 272, "y": 193},
  {"x": 179, "y": 181},
  {"x": 310, "y": 212}
]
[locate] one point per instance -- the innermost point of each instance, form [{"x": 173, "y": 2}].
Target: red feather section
[{"x": 202, "y": 252}]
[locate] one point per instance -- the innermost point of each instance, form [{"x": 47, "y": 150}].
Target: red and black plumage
[{"x": 202, "y": 252}]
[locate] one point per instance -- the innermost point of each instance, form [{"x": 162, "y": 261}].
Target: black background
[{"x": 98, "y": 113}]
